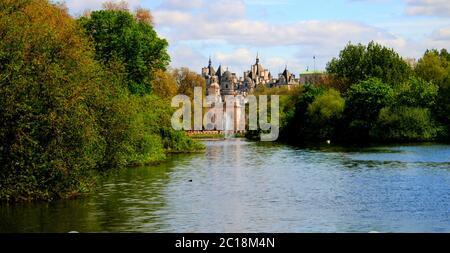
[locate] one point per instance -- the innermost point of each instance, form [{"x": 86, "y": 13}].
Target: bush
[
  {"x": 405, "y": 124},
  {"x": 363, "y": 104},
  {"x": 324, "y": 112},
  {"x": 294, "y": 121},
  {"x": 416, "y": 92},
  {"x": 49, "y": 138},
  {"x": 63, "y": 115}
]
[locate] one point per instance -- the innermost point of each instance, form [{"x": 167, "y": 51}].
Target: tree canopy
[
  {"x": 129, "y": 39},
  {"x": 65, "y": 113},
  {"x": 359, "y": 62}
]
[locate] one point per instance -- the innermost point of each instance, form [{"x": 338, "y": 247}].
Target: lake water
[{"x": 241, "y": 186}]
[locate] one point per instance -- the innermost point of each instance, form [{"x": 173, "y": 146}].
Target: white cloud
[
  {"x": 181, "y": 4},
  {"x": 428, "y": 7},
  {"x": 185, "y": 56},
  {"x": 226, "y": 9},
  {"x": 312, "y": 37},
  {"x": 442, "y": 34},
  {"x": 223, "y": 28},
  {"x": 185, "y": 26}
]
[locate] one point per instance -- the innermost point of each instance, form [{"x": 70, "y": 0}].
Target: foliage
[
  {"x": 187, "y": 80},
  {"x": 164, "y": 84},
  {"x": 383, "y": 99},
  {"x": 405, "y": 124},
  {"x": 435, "y": 67},
  {"x": 416, "y": 92},
  {"x": 297, "y": 127},
  {"x": 324, "y": 112},
  {"x": 363, "y": 103},
  {"x": 117, "y": 35},
  {"x": 48, "y": 80},
  {"x": 64, "y": 111},
  {"x": 357, "y": 63}
]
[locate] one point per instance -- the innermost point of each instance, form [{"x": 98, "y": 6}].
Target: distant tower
[{"x": 227, "y": 83}]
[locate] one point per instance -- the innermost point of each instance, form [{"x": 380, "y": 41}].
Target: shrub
[
  {"x": 324, "y": 112},
  {"x": 405, "y": 124}
]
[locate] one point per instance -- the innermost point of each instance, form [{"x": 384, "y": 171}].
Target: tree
[
  {"x": 405, "y": 124},
  {"x": 63, "y": 114},
  {"x": 118, "y": 36},
  {"x": 324, "y": 112},
  {"x": 187, "y": 80},
  {"x": 164, "y": 84},
  {"x": 144, "y": 16},
  {"x": 363, "y": 103},
  {"x": 115, "y": 5},
  {"x": 358, "y": 62},
  {"x": 432, "y": 67},
  {"x": 50, "y": 136},
  {"x": 298, "y": 129},
  {"x": 416, "y": 93}
]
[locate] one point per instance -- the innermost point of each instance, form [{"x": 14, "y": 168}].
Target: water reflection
[{"x": 240, "y": 186}]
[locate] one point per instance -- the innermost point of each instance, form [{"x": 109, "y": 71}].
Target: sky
[{"x": 289, "y": 32}]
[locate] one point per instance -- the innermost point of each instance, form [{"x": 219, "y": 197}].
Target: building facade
[{"x": 230, "y": 84}]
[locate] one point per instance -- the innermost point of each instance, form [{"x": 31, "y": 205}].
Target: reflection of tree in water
[
  {"x": 59, "y": 216},
  {"x": 129, "y": 200}
]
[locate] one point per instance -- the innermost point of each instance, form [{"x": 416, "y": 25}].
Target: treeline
[
  {"x": 81, "y": 96},
  {"x": 372, "y": 95}
]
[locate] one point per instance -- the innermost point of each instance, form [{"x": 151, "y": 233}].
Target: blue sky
[{"x": 289, "y": 32}]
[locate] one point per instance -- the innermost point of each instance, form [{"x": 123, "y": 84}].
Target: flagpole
[{"x": 314, "y": 57}]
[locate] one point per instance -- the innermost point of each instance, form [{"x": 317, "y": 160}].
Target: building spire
[
  {"x": 210, "y": 60},
  {"x": 257, "y": 57}
]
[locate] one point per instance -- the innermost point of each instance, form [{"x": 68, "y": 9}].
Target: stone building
[
  {"x": 230, "y": 84},
  {"x": 310, "y": 77},
  {"x": 220, "y": 83},
  {"x": 258, "y": 74},
  {"x": 285, "y": 78}
]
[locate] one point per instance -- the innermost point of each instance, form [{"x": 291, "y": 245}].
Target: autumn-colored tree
[
  {"x": 64, "y": 111},
  {"x": 49, "y": 89},
  {"x": 116, "y": 5},
  {"x": 164, "y": 84},
  {"x": 187, "y": 80},
  {"x": 144, "y": 16}
]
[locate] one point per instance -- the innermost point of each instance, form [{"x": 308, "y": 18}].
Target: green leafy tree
[
  {"x": 359, "y": 62},
  {"x": 298, "y": 129},
  {"x": 363, "y": 104},
  {"x": 50, "y": 137},
  {"x": 118, "y": 35},
  {"x": 324, "y": 112},
  {"x": 433, "y": 67},
  {"x": 416, "y": 93},
  {"x": 405, "y": 124},
  {"x": 63, "y": 114}
]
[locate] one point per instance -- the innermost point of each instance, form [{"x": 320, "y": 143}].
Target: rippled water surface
[{"x": 240, "y": 186}]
